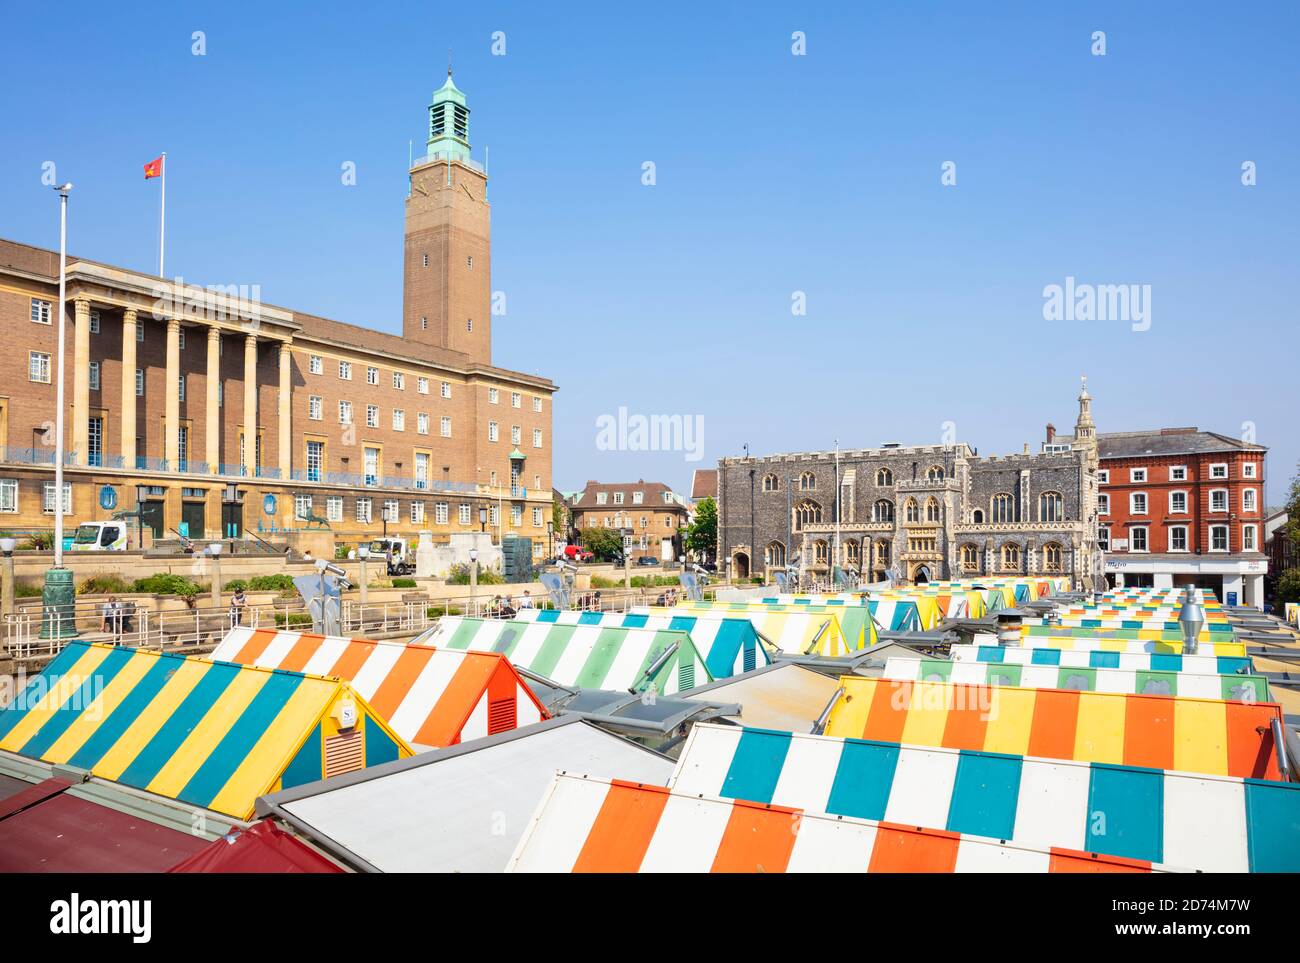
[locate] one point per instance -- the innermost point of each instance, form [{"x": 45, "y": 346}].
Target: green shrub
[
  {"x": 438, "y": 611},
  {"x": 284, "y": 619},
  {"x": 271, "y": 583},
  {"x": 28, "y": 590},
  {"x": 458, "y": 574},
  {"x": 104, "y": 585},
  {"x": 403, "y": 583},
  {"x": 601, "y": 582},
  {"x": 235, "y": 584},
  {"x": 162, "y": 583},
  {"x": 340, "y": 551},
  {"x": 41, "y": 541}
]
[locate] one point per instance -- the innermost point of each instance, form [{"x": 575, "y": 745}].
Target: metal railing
[{"x": 163, "y": 630}]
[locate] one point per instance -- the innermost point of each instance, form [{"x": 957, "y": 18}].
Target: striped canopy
[
  {"x": 1159, "y": 732},
  {"x": 586, "y": 656},
  {"x": 1230, "y": 688},
  {"x": 1209, "y": 823},
  {"x": 790, "y": 631},
  {"x": 592, "y": 825},
  {"x": 851, "y": 626},
  {"x": 1118, "y": 641},
  {"x": 1097, "y": 659},
  {"x": 431, "y": 697},
  {"x": 729, "y": 646},
  {"x": 212, "y": 734}
]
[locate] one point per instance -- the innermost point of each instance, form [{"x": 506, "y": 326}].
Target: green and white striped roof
[{"x": 585, "y": 656}]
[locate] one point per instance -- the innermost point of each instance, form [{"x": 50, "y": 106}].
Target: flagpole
[{"x": 162, "y": 218}]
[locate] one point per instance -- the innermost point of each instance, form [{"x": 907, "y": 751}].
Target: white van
[{"x": 100, "y": 537}]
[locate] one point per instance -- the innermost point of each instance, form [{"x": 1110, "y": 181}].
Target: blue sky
[{"x": 775, "y": 174}]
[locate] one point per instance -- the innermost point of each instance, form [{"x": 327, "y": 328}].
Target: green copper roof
[
  {"x": 449, "y": 91},
  {"x": 449, "y": 122},
  {"x": 516, "y": 454}
]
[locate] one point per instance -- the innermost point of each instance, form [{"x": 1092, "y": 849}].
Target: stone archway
[
  {"x": 740, "y": 565},
  {"x": 921, "y": 574}
]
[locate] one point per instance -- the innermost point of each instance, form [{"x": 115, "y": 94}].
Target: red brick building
[{"x": 1180, "y": 506}]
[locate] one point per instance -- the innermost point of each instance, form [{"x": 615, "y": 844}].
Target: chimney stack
[{"x": 1051, "y": 432}]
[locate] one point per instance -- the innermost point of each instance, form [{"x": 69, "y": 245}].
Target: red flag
[{"x": 153, "y": 168}]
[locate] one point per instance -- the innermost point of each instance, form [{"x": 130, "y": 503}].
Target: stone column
[
  {"x": 250, "y": 402},
  {"x": 172, "y": 392},
  {"x": 212, "y": 403},
  {"x": 286, "y": 436},
  {"x": 129, "y": 322},
  {"x": 80, "y": 380}
]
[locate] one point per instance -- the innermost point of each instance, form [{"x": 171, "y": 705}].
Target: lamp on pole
[
  {"x": 59, "y": 597},
  {"x": 7, "y": 590},
  {"x": 363, "y": 554},
  {"x": 482, "y": 519},
  {"x": 473, "y": 575},
  {"x": 214, "y": 552}
]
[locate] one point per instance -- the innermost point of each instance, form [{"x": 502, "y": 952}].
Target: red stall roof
[
  {"x": 60, "y": 833},
  {"x": 262, "y": 848}
]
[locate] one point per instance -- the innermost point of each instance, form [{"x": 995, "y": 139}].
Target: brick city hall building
[{"x": 194, "y": 405}]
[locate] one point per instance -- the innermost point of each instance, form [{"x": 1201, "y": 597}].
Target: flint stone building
[{"x": 919, "y": 513}]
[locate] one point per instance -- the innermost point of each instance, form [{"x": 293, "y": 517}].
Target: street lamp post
[
  {"x": 58, "y": 598},
  {"x": 7, "y": 589},
  {"x": 473, "y": 576},
  {"x": 363, "y": 554},
  {"x": 214, "y": 551},
  {"x": 482, "y": 520}
]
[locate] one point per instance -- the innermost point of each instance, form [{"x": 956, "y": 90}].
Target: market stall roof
[
  {"x": 52, "y": 821},
  {"x": 1231, "y": 688},
  {"x": 431, "y": 697},
  {"x": 455, "y": 810},
  {"x": 781, "y": 696},
  {"x": 587, "y": 656},
  {"x": 212, "y": 734},
  {"x": 1098, "y": 659},
  {"x": 729, "y": 646},
  {"x": 586, "y": 824},
  {"x": 792, "y": 631},
  {"x": 261, "y": 848},
  {"x": 1158, "y": 732},
  {"x": 1210, "y": 823}
]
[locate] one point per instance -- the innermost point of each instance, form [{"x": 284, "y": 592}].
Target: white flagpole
[{"x": 162, "y": 218}]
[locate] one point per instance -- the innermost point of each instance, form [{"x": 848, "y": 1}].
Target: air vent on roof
[{"x": 501, "y": 715}]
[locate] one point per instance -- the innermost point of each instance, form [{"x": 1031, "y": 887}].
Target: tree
[
  {"x": 702, "y": 534},
  {"x": 604, "y": 543},
  {"x": 1288, "y": 587}
]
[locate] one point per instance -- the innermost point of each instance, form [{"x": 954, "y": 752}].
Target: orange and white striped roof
[
  {"x": 431, "y": 697},
  {"x": 594, "y": 825}
]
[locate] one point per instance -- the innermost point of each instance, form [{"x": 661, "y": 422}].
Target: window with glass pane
[{"x": 315, "y": 459}]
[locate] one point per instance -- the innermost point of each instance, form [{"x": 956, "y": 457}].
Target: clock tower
[{"x": 447, "y": 293}]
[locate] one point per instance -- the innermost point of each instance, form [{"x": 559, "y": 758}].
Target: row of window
[
  {"x": 638, "y": 497},
  {"x": 1139, "y": 539},
  {"x": 1139, "y": 503},
  {"x": 1010, "y": 555},
  {"x": 316, "y": 365},
  {"x": 617, "y": 522},
  {"x": 417, "y": 511},
  {"x": 807, "y": 481},
  {"x": 1177, "y": 473},
  {"x": 1051, "y": 508},
  {"x": 49, "y": 497}
]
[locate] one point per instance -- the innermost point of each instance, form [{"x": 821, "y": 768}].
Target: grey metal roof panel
[{"x": 461, "y": 809}]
